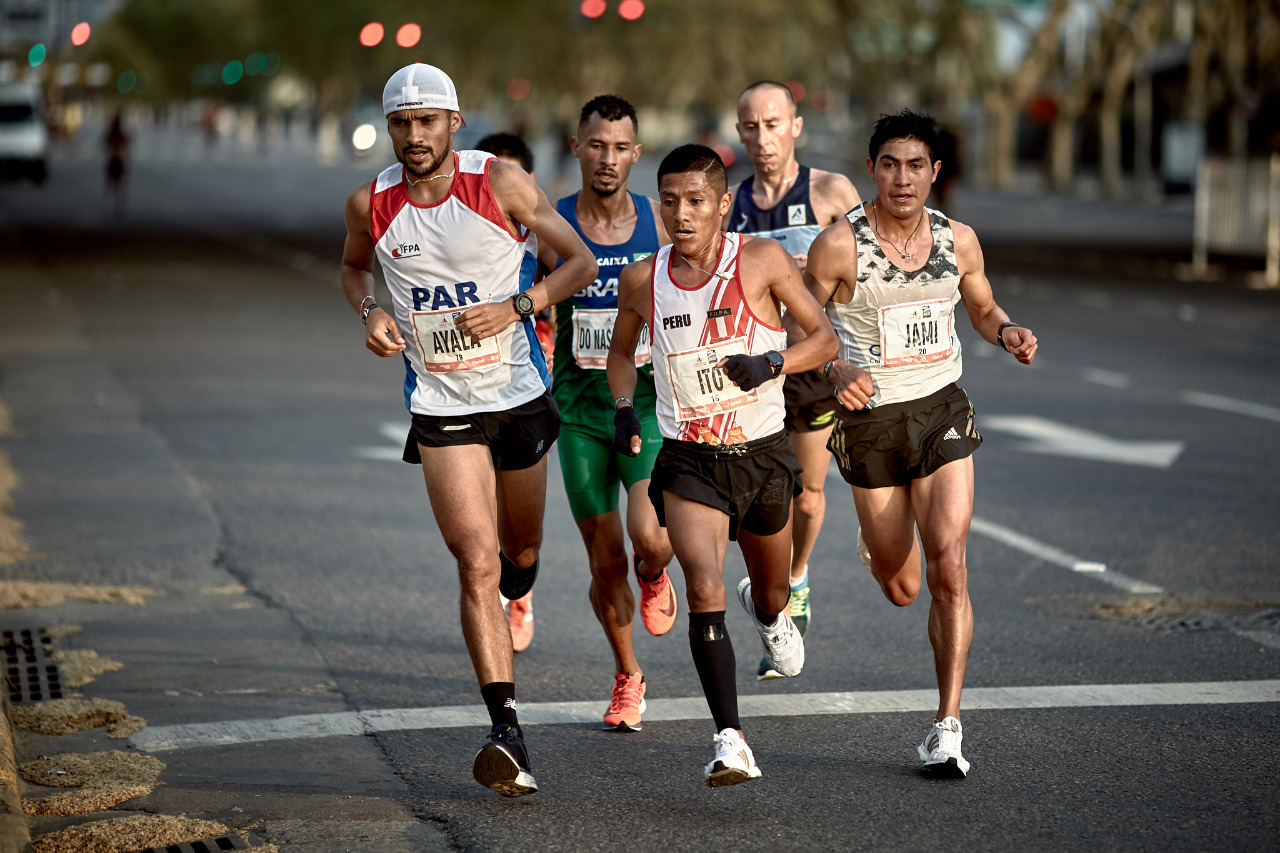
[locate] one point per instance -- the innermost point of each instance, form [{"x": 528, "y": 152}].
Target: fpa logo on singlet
[{"x": 405, "y": 250}]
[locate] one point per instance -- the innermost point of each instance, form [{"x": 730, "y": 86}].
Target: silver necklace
[
  {"x": 414, "y": 183},
  {"x": 723, "y": 276},
  {"x": 903, "y": 251}
]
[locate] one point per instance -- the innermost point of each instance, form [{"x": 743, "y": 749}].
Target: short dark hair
[
  {"x": 507, "y": 145},
  {"x": 771, "y": 84},
  {"x": 696, "y": 158},
  {"x": 610, "y": 108},
  {"x": 906, "y": 124}
]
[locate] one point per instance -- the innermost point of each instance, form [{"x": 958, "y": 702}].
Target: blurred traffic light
[
  {"x": 80, "y": 33},
  {"x": 631, "y": 10},
  {"x": 371, "y": 33},
  {"x": 408, "y": 35},
  {"x": 36, "y": 55},
  {"x": 593, "y": 8}
]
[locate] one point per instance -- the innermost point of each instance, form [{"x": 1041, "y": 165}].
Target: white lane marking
[
  {"x": 1058, "y": 557},
  {"x": 1039, "y": 550},
  {"x": 395, "y": 432},
  {"x": 166, "y": 738},
  {"x": 1109, "y": 378},
  {"x": 1058, "y": 439},
  {"x": 381, "y": 454},
  {"x": 1226, "y": 404}
]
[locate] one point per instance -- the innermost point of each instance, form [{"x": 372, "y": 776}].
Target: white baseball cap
[{"x": 419, "y": 87}]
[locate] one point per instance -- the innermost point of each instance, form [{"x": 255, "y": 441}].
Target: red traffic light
[
  {"x": 592, "y": 8},
  {"x": 631, "y": 10}
]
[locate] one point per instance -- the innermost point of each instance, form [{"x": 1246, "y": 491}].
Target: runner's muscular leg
[
  {"x": 888, "y": 527},
  {"x": 700, "y": 536},
  {"x": 610, "y": 591},
  {"x": 522, "y": 502},
  {"x": 768, "y": 559},
  {"x": 648, "y": 538},
  {"x": 810, "y": 506},
  {"x": 460, "y": 485},
  {"x": 943, "y": 505}
]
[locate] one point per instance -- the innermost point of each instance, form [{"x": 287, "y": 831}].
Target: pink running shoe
[
  {"x": 520, "y": 618},
  {"x": 657, "y": 602}
]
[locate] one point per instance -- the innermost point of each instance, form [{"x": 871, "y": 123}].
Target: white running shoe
[
  {"x": 783, "y": 644},
  {"x": 864, "y": 553},
  {"x": 733, "y": 763},
  {"x": 940, "y": 751}
]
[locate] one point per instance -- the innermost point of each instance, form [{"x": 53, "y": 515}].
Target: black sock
[
  {"x": 713, "y": 658},
  {"x": 766, "y": 619},
  {"x": 500, "y": 701}
]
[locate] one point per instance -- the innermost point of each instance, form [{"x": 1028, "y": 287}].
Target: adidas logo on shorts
[{"x": 951, "y": 433}]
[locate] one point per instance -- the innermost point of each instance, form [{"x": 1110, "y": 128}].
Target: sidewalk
[{"x": 175, "y": 638}]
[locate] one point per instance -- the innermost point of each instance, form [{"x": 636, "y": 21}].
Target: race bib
[
  {"x": 592, "y": 332},
  {"x": 916, "y": 332},
  {"x": 444, "y": 349},
  {"x": 699, "y": 389}
]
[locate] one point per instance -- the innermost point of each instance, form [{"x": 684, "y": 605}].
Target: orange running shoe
[
  {"x": 657, "y": 601},
  {"x": 627, "y": 705},
  {"x": 520, "y": 618}
]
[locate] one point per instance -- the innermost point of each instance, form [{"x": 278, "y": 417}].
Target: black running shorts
[
  {"x": 811, "y": 402},
  {"x": 895, "y": 444},
  {"x": 517, "y": 438},
  {"x": 752, "y": 483}
]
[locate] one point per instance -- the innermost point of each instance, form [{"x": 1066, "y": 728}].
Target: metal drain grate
[
  {"x": 211, "y": 845},
  {"x": 28, "y": 674}
]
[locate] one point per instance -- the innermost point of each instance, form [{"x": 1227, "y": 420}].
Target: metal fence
[{"x": 1238, "y": 213}]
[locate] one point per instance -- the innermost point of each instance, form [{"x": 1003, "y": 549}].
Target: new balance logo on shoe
[{"x": 951, "y": 433}]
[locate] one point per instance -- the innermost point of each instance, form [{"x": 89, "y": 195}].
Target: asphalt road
[{"x": 193, "y": 410}]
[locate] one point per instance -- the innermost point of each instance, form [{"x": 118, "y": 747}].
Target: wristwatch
[
  {"x": 775, "y": 361},
  {"x": 523, "y": 303}
]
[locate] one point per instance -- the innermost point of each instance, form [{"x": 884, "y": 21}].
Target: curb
[{"x": 15, "y": 837}]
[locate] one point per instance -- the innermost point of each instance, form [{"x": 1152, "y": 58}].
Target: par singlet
[
  {"x": 791, "y": 221},
  {"x": 584, "y": 323},
  {"x": 693, "y": 330},
  {"x": 900, "y": 326},
  {"x": 440, "y": 259}
]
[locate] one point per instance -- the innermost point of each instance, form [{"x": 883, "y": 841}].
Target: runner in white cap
[{"x": 446, "y": 227}]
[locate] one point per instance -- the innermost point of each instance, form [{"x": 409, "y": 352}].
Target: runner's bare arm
[
  {"x": 833, "y": 267},
  {"x": 985, "y": 315},
  {"x": 635, "y": 307},
  {"x": 733, "y": 194},
  {"x": 523, "y": 203},
  {"x": 834, "y": 194},
  {"x": 663, "y": 237},
  {"x": 831, "y": 195},
  {"x": 382, "y": 335},
  {"x": 768, "y": 262}
]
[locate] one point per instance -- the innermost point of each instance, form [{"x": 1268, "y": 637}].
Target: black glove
[
  {"x": 748, "y": 371},
  {"x": 626, "y": 424}
]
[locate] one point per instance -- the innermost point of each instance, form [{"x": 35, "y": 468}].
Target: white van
[{"x": 24, "y": 136}]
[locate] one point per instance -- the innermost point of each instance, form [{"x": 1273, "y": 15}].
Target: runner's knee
[
  {"x": 900, "y": 592},
  {"x": 810, "y": 502}
]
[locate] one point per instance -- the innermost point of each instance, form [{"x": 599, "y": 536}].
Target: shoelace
[
  {"x": 626, "y": 696},
  {"x": 799, "y": 601}
]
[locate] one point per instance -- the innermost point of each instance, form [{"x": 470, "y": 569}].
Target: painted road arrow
[{"x": 1057, "y": 439}]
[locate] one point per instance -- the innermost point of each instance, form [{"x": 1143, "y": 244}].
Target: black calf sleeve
[{"x": 714, "y": 659}]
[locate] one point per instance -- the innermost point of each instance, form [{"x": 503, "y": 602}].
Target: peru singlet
[
  {"x": 584, "y": 324},
  {"x": 693, "y": 329},
  {"x": 791, "y": 221},
  {"x": 440, "y": 259},
  {"x": 900, "y": 326}
]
